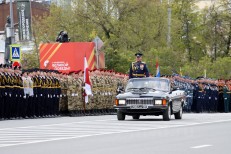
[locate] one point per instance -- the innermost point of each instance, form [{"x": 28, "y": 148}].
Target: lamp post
[
  {"x": 12, "y": 23},
  {"x": 169, "y": 24}
]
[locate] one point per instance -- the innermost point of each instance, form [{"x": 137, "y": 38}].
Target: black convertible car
[{"x": 150, "y": 96}]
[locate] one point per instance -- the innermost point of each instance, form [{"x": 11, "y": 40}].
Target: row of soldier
[
  {"x": 104, "y": 85},
  {"x": 205, "y": 95},
  {"x": 43, "y": 93},
  {"x": 28, "y": 94}
]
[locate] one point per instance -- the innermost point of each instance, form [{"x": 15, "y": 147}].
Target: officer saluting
[{"x": 138, "y": 69}]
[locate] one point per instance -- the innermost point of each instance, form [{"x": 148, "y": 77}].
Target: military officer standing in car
[{"x": 138, "y": 69}]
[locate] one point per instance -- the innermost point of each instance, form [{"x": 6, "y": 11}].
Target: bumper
[{"x": 151, "y": 110}]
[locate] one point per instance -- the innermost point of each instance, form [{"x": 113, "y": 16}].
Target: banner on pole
[{"x": 24, "y": 20}]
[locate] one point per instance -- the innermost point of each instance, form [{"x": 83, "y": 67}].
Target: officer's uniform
[
  {"x": 2, "y": 94},
  {"x": 138, "y": 69},
  {"x": 226, "y": 97}
]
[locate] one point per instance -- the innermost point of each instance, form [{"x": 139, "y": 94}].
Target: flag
[
  {"x": 157, "y": 69},
  {"x": 87, "y": 82}
]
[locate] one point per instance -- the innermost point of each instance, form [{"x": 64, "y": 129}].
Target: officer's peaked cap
[{"x": 138, "y": 54}]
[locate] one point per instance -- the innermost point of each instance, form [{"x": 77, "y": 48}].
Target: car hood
[{"x": 142, "y": 94}]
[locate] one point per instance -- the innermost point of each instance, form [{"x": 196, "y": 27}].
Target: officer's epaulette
[{"x": 143, "y": 62}]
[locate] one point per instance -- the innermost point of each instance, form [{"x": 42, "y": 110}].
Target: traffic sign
[{"x": 15, "y": 52}]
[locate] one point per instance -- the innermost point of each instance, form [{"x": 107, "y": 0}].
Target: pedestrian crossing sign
[{"x": 15, "y": 52}]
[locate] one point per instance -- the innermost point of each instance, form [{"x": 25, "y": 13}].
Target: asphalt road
[{"x": 195, "y": 133}]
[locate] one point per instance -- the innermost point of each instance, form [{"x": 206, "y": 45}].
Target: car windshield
[{"x": 159, "y": 84}]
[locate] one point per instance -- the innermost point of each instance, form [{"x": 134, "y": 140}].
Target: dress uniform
[
  {"x": 229, "y": 87},
  {"x": 200, "y": 99},
  {"x": 26, "y": 94},
  {"x": 226, "y": 97},
  {"x": 138, "y": 69},
  {"x": 195, "y": 96},
  {"x": 2, "y": 92}
]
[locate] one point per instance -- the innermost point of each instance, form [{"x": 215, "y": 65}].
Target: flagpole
[
  {"x": 205, "y": 75},
  {"x": 12, "y": 23},
  {"x": 84, "y": 106},
  {"x": 87, "y": 83},
  {"x": 84, "y": 78}
]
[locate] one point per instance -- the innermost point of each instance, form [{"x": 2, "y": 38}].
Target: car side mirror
[
  {"x": 120, "y": 90},
  {"x": 175, "y": 88}
]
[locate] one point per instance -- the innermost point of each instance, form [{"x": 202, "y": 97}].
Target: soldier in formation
[
  {"x": 28, "y": 93},
  {"x": 205, "y": 95},
  {"x": 44, "y": 93},
  {"x": 104, "y": 85}
]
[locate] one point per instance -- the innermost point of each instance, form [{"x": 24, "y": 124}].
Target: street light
[
  {"x": 169, "y": 24},
  {"x": 12, "y": 23}
]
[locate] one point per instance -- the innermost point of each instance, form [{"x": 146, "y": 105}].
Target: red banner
[{"x": 66, "y": 57}]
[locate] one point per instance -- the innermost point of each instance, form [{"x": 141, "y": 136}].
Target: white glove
[{"x": 24, "y": 97}]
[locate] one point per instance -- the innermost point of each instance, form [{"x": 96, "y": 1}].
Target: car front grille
[{"x": 142, "y": 101}]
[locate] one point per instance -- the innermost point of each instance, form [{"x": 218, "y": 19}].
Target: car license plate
[{"x": 138, "y": 106}]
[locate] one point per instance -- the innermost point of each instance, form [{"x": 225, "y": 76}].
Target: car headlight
[
  {"x": 122, "y": 102},
  {"x": 158, "y": 102}
]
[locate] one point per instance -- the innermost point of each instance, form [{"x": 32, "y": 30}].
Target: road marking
[
  {"x": 201, "y": 146},
  {"x": 56, "y": 124},
  {"x": 96, "y": 129}
]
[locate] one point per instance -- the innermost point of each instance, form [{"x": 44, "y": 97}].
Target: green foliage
[
  {"x": 30, "y": 60},
  {"x": 218, "y": 69},
  {"x": 126, "y": 26}
]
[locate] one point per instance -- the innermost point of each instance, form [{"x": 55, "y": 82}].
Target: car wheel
[
  {"x": 120, "y": 115},
  {"x": 178, "y": 115},
  {"x": 167, "y": 114},
  {"x": 136, "y": 117}
]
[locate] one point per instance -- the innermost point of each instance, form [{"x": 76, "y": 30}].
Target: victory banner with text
[
  {"x": 24, "y": 20},
  {"x": 67, "y": 57}
]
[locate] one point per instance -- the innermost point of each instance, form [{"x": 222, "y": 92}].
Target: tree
[{"x": 125, "y": 26}]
